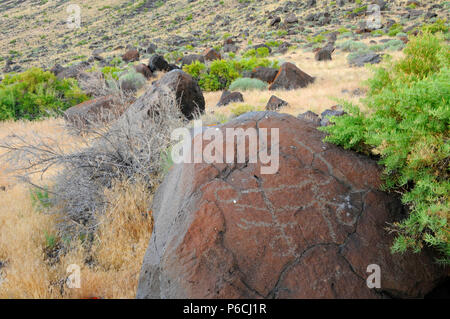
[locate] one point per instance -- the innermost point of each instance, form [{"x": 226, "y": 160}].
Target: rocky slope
[{"x": 35, "y": 33}]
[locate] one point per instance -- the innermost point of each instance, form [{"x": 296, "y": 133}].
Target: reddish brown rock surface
[
  {"x": 308, "y": 231},
  {"x": 324, "y": 54},
  {"x": 228, "y": 97},
  {"x": 131, "y": 55},
  {"x": 175, "y": 87},
  {"x": 144, "y": 70},
  {"x": 275, "y": 103},
  {"x": 264, "y": 74},
  {"x": 211, "y": 55},
  {"x": 290, "y": 77}
]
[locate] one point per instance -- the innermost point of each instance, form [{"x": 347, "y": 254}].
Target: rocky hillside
[{"x": 35, "y": 32}]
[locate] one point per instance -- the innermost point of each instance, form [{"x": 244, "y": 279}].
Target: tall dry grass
[{"x": 29, "y": 236}]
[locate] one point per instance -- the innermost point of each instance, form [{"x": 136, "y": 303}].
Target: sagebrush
[
  {"x": 407, "y": 125},
  {"x": 35, "y": 93}
]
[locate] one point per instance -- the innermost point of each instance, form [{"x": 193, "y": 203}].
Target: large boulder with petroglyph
[{"x": 310, "y": 230}]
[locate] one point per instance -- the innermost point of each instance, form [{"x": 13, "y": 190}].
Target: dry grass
[
  {"x": 115, "y": 255},
  {"x": 118, "y": 248}
]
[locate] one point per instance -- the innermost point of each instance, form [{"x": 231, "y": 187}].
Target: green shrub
[
  {"x": 360, "y": 9},
  {"x": 317, "y": 39},
  {"x": 132, "y": 80},
  {"x": 194, "y": 69},
  {"x": 210, "y": 82},
  {"x": 343, "y": 30},
  {"x": 173, "y": 56},
  {"x": 251, "y": 63},
  {"x": 394, "y": 45},
  {"x": 111, "y": 72},
  {"x": 377, "y": 33},
  {"x": 40, "y": 198},
  {"x": 377, "y": 47},
  {"x": 260, "y": 53},
  {"x": 438, "y": 26},
  {"x": 244, "y": 84},
  {"x": 424, "y": 56},
  {"x": 35, "y": 94},
  {"x": 395, "y": 29},
  {"x": 346, "y": 35},
  {"x": 117, "y": 61},
  {"x": 407, "y": 126},
  {"x": 272, "y": 43},
  {"x": 221, "y": 74},
  {"x": 350, "y": 46}
]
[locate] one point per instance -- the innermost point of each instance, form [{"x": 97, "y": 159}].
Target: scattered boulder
[
  {"x": 72, "y": 71},
  {"x": 176, "y": 85},
  {"x": 332, "y": 37},
  {"x": 324, "y": 54},
  {"x": 275, "y": 103},
  {"x": 173, "y": 67},
  {"x": 96, "y": 54},
  {"x": 131, "y": 81},
  {"x": 310, "y": 116},
  {"x": 99, "y": 110},
  {"x": 131, "y": 55},
  {"x": 262, "y": 45},
  {"x": 382, "y": 4},
  {"x": 191, "y": 58},
  {"x": 405, "y": 40},
  {"x": 144, "y": 70},
  {"x": 228, "y": 97},
  {"x": 56, "y": 69},
  {"x": 365, "y": 58},
  {"x": 150, "y": 48},
  {"x": 283, "y": 48},
  {"x": 335, "y": 111},
  {"x": 430, "y": 15},
  {"x": 308, "y": 231},
  {"x": 91, "y": 83},
  {"x": 211, "y": 55},
  {"x": 275, "y": 21},
  {"x": 158, "y": 63},
  {"x": 290, "y": 77},
  {"x": 291, "y": 18},
  {"x": 230, "y": 46},
  {"x": 264, "y": 74},
  {"x": 311, "y": 3}
]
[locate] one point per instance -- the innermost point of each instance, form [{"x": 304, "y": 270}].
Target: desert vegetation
[
  {"x": 407, "y": 127},
  {"x": 77, "y": 188}
]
